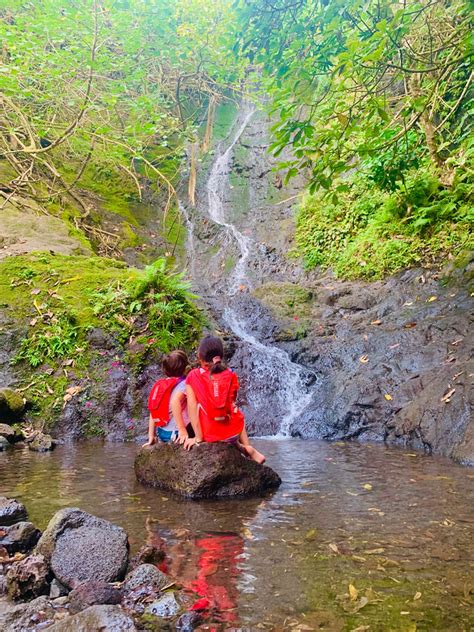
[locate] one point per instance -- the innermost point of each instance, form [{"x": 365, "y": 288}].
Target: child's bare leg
[{"x": 248, "y": 450}]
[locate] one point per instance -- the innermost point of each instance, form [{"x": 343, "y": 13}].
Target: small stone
[
  {"x": 189, "y": 621},
  {"x": 105, "y": 618},
  {"x": 57, "y": 590},
  {"x": 91, "y": 594},
  {"x": 146, "y": 575},
  {"x": 28, "y": 578},
  {"x": 11, "y": 511},
  {"x": 165, "y": 606},
  {"x": 7, "y": 432},
  {"x": 19, "y": 537},
  {"x": 4, "y": 444}
]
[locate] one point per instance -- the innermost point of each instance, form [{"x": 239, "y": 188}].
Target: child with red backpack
[
  {"x": 211, "y": 392},
  {"x": 167, "y": 402}
]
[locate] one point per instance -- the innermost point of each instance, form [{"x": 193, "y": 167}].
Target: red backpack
[
  {"x": 216, "y": 394},
  {"x": 159, "y": 399}
]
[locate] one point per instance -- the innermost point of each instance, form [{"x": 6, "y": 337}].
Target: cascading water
[{"x": 274, "y": 382}]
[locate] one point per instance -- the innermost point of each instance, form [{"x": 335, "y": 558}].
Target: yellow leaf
[
  {"x": 364, "y": 359},
  {"x": 431, "y": 299},
  {"x": 388, "y": 397},
  {"x": 417, "y": 596},
  {"x": 353, "y": 592},
  {"x": 311, "y": 535},
  {"x": 334, "y": 548},
  {"x": 368, "y": 487}
]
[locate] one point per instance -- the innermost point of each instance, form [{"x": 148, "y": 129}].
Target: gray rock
[
  {"x": 4, "y": 444},
  {"x": 41, "y": 442},
  {"x": 145, "y": 575},
  {"x": 82, "y": 547},
  {"x": 166, "y": 606},
  {"x": 57, "y": 590},
  {"x": 12, "y": 405},
  {"x": 189, "y": 621},
  {"x": 96, "y": 619},
  {"x": 19, "y": 537},
  {"x": 210, "y": 470},
  {"x": 11, "y": 511},
  {"x": 7, "y": 432},
  {"x": 93, "y": 593},
  {"x": 28, "y": 578},
  {"x": 26, "y": 616}
]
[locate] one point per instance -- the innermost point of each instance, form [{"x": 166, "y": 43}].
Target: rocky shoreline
[{"x": 77, "y": 575}]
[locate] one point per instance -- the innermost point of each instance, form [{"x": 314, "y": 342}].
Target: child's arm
[
  {"x": 193, "y": 418},
  {"x": 151, "y": 431},
  {"x": 177, "y": 412}
]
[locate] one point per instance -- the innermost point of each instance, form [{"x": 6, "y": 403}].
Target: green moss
[
  {"x": 365, "y": 232},
  {"x": 229, "y": 264},
  {"x": 130, "y": 239}
]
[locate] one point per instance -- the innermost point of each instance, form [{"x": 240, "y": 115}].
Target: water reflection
[{"x": 393, "y": 524}]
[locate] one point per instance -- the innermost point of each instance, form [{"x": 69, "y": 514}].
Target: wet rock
[
  {"x": 4, "y": 444},
  {"x": 40, "y": 442},
  {"x": 27, "y": 616},
  {"x": 93, "y": 593},
  {"x": 82, "y": 547},
  {"x": 189, "y": 621},
  {"x": 210, "y": 470},
  {"x": 12, "y": 405},
  {"x": 20, "y": 537},
  {"x": 28, "y": 578},
  {"x": 166, "y": 606},
  {"x": 148, "y": 575},
  {"x": 96, "y": 618},
  {"x": 11, "y": 511},
  {"x": 7, "y": 432},
  {"x": 148, "y": 554},
  {"x": 57, "y": 590}
]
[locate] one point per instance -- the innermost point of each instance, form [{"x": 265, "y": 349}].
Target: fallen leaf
[
  {"x": 48, "y": 388},
  {"x": 388, "y": 397},
  {"x": 35, "y": 292},
  {"x": 368, "y": 487},
  {"x": 364, "y": 359},
  {"x": 456, "y": 342},
  {"x": 334, "y": 548},
  {"x": 407, "y": 303},
  {"x": 376, "y": 322},
  {"x": 311, "y": 535},
  {"x": 361, "y": 628},
  {"x": 394, "y": 346},
  {"x": 33, "y": 322},
  {"x": 417, "y": 596},
  {"x": 374, "y": 551},
  {"x": 431, "y": 299},
  {"x": 409, "y": 325},
  {"x": 247, "y": 534},
  {"x": 447, "y": 397},
  {"x": 353, "y": 592}
]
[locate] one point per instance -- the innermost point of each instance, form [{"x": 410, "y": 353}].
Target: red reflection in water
[{"x": 208, "y": 566}]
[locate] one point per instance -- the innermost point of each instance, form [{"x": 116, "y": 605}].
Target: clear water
[{"x": 396, "y": 526}]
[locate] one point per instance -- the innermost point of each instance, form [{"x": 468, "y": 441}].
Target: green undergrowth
[
  {"x": 56, "y": 300},
  {"x": 369, "y": 233},
  {"x": 290, "y": 304}
]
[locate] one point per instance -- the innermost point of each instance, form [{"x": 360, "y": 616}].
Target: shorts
[{"x": 166, "y": 436}]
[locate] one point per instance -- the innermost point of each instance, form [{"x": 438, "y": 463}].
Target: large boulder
[
  {"x": 82, "y": 547},
  {"x": 11, "y": 511},
  {"x": 19, "y": 538},
  {"x": 209, "y": 470},
  {"x": 96, "y": 618}
]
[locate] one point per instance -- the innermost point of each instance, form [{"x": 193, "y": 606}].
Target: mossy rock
[{"x": 12, "y": 405}]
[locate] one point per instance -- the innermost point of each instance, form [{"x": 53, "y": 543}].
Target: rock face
[
  {"x": 96, "y": 618},
  {"x": 210, "y": 470},
  {"x": 20, "y": 537},
  {"x": 82, "y": 547},
  {"x": 28, "y": 578},
  {"x": 11, "y": 511}
]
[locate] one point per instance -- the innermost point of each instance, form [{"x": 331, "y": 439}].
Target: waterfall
[{"x": 275, "y": 383}]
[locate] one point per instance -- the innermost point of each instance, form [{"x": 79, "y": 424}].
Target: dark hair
[
  {"x": 174, "y": 364},
  {"x": 209, "y": 350}
]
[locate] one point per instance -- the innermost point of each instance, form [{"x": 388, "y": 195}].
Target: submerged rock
[
  {"x": 166, "y": 606},
  {"x": 148, "y": 554},
  {"x": 28, "y": 578},
  {"x": 91, "y": 594},
  {"x": 82, "y": 547},
  {"x": 11, "y": 511},
  {"x": 95, "y": 618},
  {"x": 210, "y": 470},
  {"x": 19, "y": 537},
  {"x": 40, "y": 442}
]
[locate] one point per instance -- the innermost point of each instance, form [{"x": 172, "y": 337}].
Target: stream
[{"x": 395, "y": 525}]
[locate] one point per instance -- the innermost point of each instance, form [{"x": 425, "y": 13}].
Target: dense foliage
[{"x": 375, "y": 99}]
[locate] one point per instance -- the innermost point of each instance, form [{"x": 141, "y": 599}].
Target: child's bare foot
[{"x": 253, "y": 454}]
